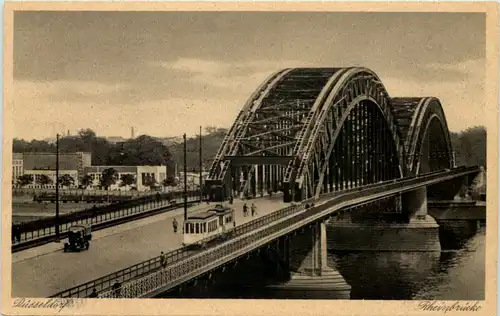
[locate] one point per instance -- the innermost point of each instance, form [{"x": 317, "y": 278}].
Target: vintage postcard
[{"x": 253, "y": 159}]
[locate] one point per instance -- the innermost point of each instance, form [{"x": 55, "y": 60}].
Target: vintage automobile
[{"x": 79, "y": 237}]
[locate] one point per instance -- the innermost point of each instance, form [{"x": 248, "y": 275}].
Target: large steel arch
[
  {"x": 357, "y": 107},
  {"x": 425, "y": 133},
  {"x": 310, "y": 130}
]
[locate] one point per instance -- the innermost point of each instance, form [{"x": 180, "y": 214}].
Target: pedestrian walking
[
  {"x": 117, "y": 289},
  {"x": 163, "y": 260},
  {"x": 245, "y": 210},
  {"x": 254, "y": 210},
  {"x": 175, "y": 225},
  {"x": 16, "y": 234},
  {"x": 93, "y": 294}
]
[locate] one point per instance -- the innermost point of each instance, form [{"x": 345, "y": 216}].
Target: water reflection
[
  {"x": 385, "y": 275},
  {"x": 462, "y": 273},
  {"x": 452, "y": 274}
]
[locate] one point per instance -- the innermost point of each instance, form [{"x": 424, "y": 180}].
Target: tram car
[{"x": 202, "y": 228}]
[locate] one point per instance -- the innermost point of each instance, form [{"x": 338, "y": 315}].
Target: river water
[{"x": 455, "y": 273}]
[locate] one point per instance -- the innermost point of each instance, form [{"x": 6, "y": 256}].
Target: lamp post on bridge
[
  {"x": 57, "y": 189},
  {"x": 185, "y": 178},
  {"x": 200, "y": 163},
  {"x": 201, "y": 168}
]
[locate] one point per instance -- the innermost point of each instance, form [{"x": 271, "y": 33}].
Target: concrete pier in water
[
  {"x": 414, "y": 230},
  {"x": 310, "y": 275}
]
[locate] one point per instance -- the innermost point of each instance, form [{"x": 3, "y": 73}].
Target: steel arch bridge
[{"x": 309, "y": 131}]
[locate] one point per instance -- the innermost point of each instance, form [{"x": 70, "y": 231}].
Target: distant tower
[
  {"x": 68, "y": 132},
  {"x": 132, "y": 132}
]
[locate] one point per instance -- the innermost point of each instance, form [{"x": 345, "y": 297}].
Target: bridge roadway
[{"x": 46, "y": 270}]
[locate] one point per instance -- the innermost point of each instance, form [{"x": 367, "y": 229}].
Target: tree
[
  {"x": 44, "y": 180},
  {"x": 109, "y": 177},
  {"x": 470, "y": 146},
  {"x": 211, "y": 141},
  {"x": 144, "y": 150},
  {"x": 66, "y": 180},
  {"x": 25, "y": 179},
  {"x": 169, "y": 182},
  {"x": 127, "y": 179},
  {"x": 141, "y": 151},
  {"x": 86, "y": 180},
  {"x": 150, "y": 182}
]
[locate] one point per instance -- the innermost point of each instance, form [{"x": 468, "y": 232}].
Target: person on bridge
[
  {"x": 117, "y": 289},
  {"x": 254, "y": 210},
  {"x": 163, "y": 260},
  {"x": 175, "y": 225},
  {"x": 245, "y": 210},
  {"x": 16, "y": 234},
  {"x": 93, "y": 294}
]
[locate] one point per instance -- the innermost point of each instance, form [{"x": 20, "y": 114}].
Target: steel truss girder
[
  {"x": 274, "y": 132},
  {"x": 415, "y": 117},
  {"x": 230, "y": 143},
  {"x": 348, "y": 88},
  {"x": 256, "y": 160}
]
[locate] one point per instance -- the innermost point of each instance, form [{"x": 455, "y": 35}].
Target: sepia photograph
[{"x": 322, "y": 155}]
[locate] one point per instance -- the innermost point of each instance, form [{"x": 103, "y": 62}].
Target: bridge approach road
[{"x": 46, "y": 270}]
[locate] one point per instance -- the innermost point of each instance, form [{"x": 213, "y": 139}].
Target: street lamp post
[
  {"x": 201, "y": 169},
  {"x": 185, "y": 178},
  {"x": 57, "y": 188}
]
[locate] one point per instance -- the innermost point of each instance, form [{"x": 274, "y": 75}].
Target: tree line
[
  {"x": 143, "y": 150},
  {"x": 470, "y": 146},
  {"x": 109, "y": 177},
  {"x": 25, "y": 179}
]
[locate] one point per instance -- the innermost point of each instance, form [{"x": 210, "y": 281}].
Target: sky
[{"x": 167, "y": 73}]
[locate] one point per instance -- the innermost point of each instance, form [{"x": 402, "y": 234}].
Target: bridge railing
[
  {"x": 173, "y": 272},
  {"x": 204, "y": 261},
  {"x": 26, "y": 234}
]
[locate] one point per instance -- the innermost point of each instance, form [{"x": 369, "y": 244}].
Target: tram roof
[{"x": 201, "y": 216}]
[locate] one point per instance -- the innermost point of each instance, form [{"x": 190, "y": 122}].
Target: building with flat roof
[
  {"x": 38, "y": 164},
  {"x": 67, "y": 161},
  {"x": 143, "y": 176}
]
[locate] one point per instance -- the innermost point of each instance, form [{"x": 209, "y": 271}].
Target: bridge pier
[
  {"x": 310, "y": 276},
  {"x": 411, "y": 230}
]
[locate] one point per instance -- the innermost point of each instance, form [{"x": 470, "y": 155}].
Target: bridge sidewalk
[{"x": 46, "y": 270}]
